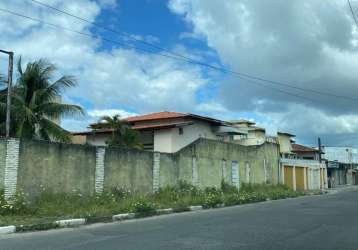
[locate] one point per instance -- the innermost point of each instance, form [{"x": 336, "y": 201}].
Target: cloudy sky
[{"x": 308, "y": 49}]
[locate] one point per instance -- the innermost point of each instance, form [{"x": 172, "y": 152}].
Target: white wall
[
  {"x": 163, "y": 140},
  {"x": 98, "y": 139},
  {"x": 169, "y": 140},
  {"x": 190, "y": 134}
]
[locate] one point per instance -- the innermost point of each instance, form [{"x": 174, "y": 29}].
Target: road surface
[{"x": 315, "y": 222}]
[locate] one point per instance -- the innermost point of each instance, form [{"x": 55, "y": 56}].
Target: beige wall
[
  {"x": 285, "y": 143},
  {"x": 254, "y": 137}
]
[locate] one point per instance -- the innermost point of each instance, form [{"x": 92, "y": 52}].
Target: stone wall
[{"x": 58, "y": 167}]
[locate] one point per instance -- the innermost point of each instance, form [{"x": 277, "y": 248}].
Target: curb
[
  {"x": 195, "y": 208},
  {"x": 7, "y": 230},
  {"x": 165, "y": 211},
  {"x": 70, "y": 222},
  {"x": 123, "y": 216}
]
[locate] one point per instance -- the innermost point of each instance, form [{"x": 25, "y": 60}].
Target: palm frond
[
  {"x": 50, "y": 130},
  {"x": 55, "y": 89},
  {"x": 56, "y": 110}
]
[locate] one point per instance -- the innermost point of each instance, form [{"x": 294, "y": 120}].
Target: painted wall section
[
  {"x": 56, "y": 167},
  {"x": 129, "y": 169}
]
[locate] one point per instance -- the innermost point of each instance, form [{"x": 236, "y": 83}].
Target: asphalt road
[{"x": 315, "y": 222}]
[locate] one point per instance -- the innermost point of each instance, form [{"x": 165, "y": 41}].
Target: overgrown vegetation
[
  {"x": 119, "y": 200},
  {"x": 122, "y": 133}
]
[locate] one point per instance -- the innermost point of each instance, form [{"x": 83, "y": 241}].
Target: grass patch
[{"x": 49, "y": 207}]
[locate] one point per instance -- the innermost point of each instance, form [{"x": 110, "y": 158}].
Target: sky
[{"x": 303, "y": 47}]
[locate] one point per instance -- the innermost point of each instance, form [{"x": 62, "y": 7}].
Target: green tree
[
  {"x": 35, "y": 103},
  {"x": 122, "y": 133}
]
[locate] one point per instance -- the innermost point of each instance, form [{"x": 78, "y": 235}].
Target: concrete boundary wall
[{"x": 39, "y": 166}]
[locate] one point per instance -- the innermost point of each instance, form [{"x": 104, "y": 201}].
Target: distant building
[
  {"x": 342, "y": 165},
  {"x": 300, "y": 165},
  {"x": 249, "y": 134}
]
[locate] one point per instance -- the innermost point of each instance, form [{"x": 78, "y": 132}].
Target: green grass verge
[{"x": 50, "y": 207}]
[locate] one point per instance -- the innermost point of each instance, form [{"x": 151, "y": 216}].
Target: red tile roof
[
  {"x": 156, "y": 116},
  {"x": 301, "y": 148},
  {"x": 167, "y": 115},
  {"x": 162, "y": 125}
]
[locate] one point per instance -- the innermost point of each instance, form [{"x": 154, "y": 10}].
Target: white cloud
[
  {"x": 211, "y": 107},
  {"x": 97, "y": 113},
  {"x": 113, "y": 78},
  {"x": 299, "y": 42}
]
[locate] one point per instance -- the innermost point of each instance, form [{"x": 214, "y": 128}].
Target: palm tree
[
  {"x": 122, "y": 134},
  {"x": 35, "y": 105}
]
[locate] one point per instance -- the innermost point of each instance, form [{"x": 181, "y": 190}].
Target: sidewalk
[{"x": 341, "y": 188}]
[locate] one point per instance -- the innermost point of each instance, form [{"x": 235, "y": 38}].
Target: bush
[
  {"x": 16, "y": 205},
  {"x": 144, "y": 208},
  {"x": 212, "y": 197},
  {"x": 228, "y": 189}
]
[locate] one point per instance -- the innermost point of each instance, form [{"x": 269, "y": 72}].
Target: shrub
[
  {"x": 212, "y": 197},
  {"x": 228, "y": 189},
  {"x": 16, "y": 205},
  {"x": 121, "y": 193},
  {"x": 231, "y": 199},
  {"x": 143, "y": 208},
  {"x": 184, "y": 187}
]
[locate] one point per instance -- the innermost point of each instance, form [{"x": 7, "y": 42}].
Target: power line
[
  {"x": 131, "y": 46},
  {"x": 238, "y": 74},
  {"x": 352, "y": 11},
  {"x": 118, "y": 32},
  {"x": 121, "y": 33}
]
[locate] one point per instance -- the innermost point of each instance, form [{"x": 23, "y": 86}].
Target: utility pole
[
  {"x": 319, "y": 150},
  {"x": 9, "y": 88}
]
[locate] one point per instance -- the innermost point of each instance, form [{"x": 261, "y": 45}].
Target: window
[{"x": 181, "y": 131}]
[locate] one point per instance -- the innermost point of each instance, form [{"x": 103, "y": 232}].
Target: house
[
  {"x": 300, "y": 166},
  {"x": 305, "y": 153},
  {"x": 166, "y": 131},
  {"x": 249, "y": 134},
  {"x": 342, "y": 165}
]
